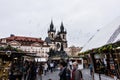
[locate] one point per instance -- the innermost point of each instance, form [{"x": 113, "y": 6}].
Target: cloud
[{"x": 32, "y": 17}]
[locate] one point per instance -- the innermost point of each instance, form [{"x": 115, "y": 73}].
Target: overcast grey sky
[{"x": 32, "y": 18}]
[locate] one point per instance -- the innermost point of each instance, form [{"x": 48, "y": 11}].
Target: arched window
[
  {"x": 63, "y": 36},
  {"x": 52, "y": 35},
  {"x": 58, "y": 45}
]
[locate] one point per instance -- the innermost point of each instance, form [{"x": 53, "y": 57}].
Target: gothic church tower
[
  {"x": 62, "y": 34},
  {"x": 57, "y": 40},
  {"x": 51, "y": 31}
]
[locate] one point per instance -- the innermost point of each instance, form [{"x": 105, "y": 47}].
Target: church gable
[
  {"x": 58, "y": 39},
  {"x": 36, "y": 44}
]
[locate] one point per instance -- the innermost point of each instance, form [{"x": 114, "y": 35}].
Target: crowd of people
[
  {"x": 70, "y": 71},
  {"x": 31, "y": 70},
  {"x": 28, "y": 70}
]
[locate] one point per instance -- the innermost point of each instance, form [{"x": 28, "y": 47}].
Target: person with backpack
[
  {"x": 76, "y": 73},
  {"x": 65, "y": 73}
]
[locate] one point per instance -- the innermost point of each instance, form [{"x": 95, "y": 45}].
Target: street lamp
[{"x": 8, "y": 53}]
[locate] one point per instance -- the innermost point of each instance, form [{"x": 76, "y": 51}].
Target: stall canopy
[{"x": 106, "y": 35}]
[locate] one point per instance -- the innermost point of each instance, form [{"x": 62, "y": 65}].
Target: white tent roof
[
  {"x": 118, "y": 38},
  {"x": 106, "y": 35}
]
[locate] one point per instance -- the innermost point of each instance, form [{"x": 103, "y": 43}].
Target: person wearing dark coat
[{"x": 65, "y": 73}]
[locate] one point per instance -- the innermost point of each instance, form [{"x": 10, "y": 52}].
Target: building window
[
  {"x": 63, "y": 36},
  {"x": 58, "y": 45},
  {"x": 52, "y": 35}
]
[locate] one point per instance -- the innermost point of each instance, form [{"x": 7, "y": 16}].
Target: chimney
[{"x": 11, "y": 35}]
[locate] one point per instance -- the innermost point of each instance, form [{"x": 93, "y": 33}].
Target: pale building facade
[
  {"x": 27, "y": 44},
  {"x": 73, "y": 51}
]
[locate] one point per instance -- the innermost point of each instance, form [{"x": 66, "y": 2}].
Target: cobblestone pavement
[
  {"x": 54, "y": 75},
  {"x": 86, "y": 74},
  {"x": 49, "y": 75}
]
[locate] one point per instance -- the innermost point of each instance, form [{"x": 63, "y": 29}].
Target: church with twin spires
[{"x": 57, "y": 39}]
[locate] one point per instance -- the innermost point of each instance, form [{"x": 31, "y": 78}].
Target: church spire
[
  {"x": 52, "y": 27},
  {"x": 62, "y": 27}
]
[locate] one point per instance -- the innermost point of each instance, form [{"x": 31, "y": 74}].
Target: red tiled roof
[{"x": 22, "y": 38}]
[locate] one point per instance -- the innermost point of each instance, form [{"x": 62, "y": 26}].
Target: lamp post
[{"x": 8, "y": 53}]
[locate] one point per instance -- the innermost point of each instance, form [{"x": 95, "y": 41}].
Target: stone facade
[{"x": 73, "y": 51}]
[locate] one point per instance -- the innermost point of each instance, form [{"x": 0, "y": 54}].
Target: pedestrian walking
[
  {"x": 76, "y": 73},
  {"x": 65, "y": 73},
  {"x": 45, "y": 68},
  {"x": 51, "y": 66},
  {"x": 25, "y": 71},
  {"x": 40, "y": 71},
  {"x": 91, "y": 69}
]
